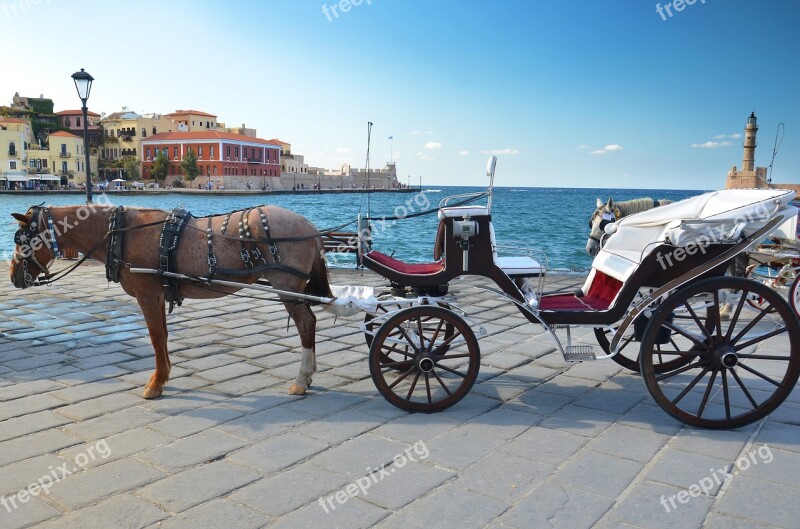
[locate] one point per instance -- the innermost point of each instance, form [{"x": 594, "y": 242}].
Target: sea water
[{"x": 551, "y": 220}]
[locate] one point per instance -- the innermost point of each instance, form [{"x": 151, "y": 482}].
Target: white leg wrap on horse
[{"x": 308, "y": 364}]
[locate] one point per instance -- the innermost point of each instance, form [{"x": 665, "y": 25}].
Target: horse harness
[
  {"x": 609, "y": 217},
  {"x": 30, "y": 238}
]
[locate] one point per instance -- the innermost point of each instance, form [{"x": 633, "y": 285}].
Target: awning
[
  {"x": 47, "y": 177},
  {"x": 15, "y": 178}
]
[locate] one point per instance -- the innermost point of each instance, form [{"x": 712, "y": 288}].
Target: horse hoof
[
  {"x": 152, "y": 393},
  {"x": 297, "y": 390}
]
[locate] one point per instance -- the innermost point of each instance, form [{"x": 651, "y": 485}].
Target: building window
[
  {"x": 175, "y": 152},
  {"x": 200, "y": 152},
  {"x": 148, "y": 153},
  {"x": 211, "y": 154},
  {"x": 236, "y": 150},
  {"x": 228, "y": 151},
  {"x": 12, "y": 149},
  {"x": 144, "y": 132},
  {"x": 13, "y": 165},
  {"x": 154, "y": 130},
  {"x": 77, "y": 122}
]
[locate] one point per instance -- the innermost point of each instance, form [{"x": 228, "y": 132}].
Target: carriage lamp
[
  {"x": 83, "y": 84},
  {"x": 464, "y": 231}
]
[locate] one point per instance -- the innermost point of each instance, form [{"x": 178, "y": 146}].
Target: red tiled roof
[
  {"x": 205, "y": 135},
  {"x": 76, "y": 113},
  {"x": 12, "y": 120},
  {"x": 280, "y": 141},
  {"x": 65, "y": 134},
  {"x": 195, "y": 112}
]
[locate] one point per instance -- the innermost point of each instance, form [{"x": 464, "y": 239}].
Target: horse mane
[{"x": 637, "y": 205}]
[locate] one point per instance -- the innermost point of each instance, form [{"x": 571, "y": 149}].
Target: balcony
[
  {"x": 253, "y": 160},
  {"x": 126, "y": 138},
  {"x": 65, "y": 155},
  {"x": 37, "y": 170}
]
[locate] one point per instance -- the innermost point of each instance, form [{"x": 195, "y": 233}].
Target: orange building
[{"x": 232, "y": 160}]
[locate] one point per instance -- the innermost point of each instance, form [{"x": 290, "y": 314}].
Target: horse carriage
[{"x": 656, "y": 293}]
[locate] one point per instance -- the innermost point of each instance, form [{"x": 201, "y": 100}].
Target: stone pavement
[{"x": 537, "y": 443}]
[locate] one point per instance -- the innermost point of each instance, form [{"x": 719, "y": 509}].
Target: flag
[{"x": 391, "y": 137}]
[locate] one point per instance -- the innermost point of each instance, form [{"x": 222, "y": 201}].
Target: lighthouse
[
  {"x": 750, "y": 176},
  {"x": 750, "y": 130}
]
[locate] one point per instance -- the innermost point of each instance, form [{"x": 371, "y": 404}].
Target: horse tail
[{"x": 319, "y": 284}]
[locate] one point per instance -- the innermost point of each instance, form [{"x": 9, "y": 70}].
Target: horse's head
[
  {"x": 34, "y": 246},
  {"x": 603, "y": 215}
]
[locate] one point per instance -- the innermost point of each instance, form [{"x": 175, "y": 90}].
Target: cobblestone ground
[{"x": 537, "y": 443}]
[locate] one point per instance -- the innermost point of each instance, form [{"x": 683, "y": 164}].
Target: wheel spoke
[
  {"x": 697, "y": 320},
  {"x": 692, "y": 384},
  {"x": 764, "y": 357},
  {"x": 717, "y": 317},
  {"x": 450, "y": 370},
  {"x": 447, "y": 342},
  {"x": 744, "y": 389},
  {"x": 749, "y": 326},
  {"x": 408, "y": 339},
  {"x": 702, "y": 407},
  {"x": 402, "y": 377},
  {"x": 420, "y": 333},
  {"x": 436, "y": 333},
  {"x": 678, "y": 371},
  {"x": 758, "y": 374},
  {"x": 428, "y": 388},
  {"x": 386, "y": 349},
  {"x": 391, "y": 365},
  {"x": 686, "y": 334},
  {"x": 770, "y": 334},
  {"x": 413, "y": 385},
  {"x": 735, "y": 316},
  {"x": 450, "y": 357},
  {"x": 725, "y": 396},
  {"x": 441, "y": 382}
]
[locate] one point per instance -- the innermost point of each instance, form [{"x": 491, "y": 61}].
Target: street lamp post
[{"x": 83, "y": 84}]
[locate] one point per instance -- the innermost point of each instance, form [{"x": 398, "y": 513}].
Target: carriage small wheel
[
  {"x": 384, "y": 308},
  {"x": 771, "y": 279},
  {"x": 741, "y": 366},
  {"x": 437, "y": 370}
]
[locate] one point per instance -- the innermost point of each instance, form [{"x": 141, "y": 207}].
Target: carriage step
[{"x": 579, "y": 353}]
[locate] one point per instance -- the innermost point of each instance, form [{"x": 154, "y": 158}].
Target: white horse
[{"x": 613, "y": 211}]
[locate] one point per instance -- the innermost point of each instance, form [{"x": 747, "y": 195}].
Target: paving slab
[{"x": 537, "y": 443}]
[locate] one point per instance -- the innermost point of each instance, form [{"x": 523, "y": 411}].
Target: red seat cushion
[
  {"x": 602, "y": 292},
  {"x": 405, "y": 268}
]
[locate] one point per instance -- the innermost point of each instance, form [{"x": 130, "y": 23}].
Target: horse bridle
[
  {"x": 30, "y": 238},
  {"x": 608, "y": 218}
]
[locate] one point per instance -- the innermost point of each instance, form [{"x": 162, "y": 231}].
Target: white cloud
[
  {"x": 433, "y": 145},
  {"x": 608, "y": 148},
  {"x": 502, "y": 152},
  {"x": 463, "y": 153},
  {"x": 712, "y": 145},
  {"x": 418, "y": 132},
  {"x": 735, "y": 136},
  {"x": 582, "y": 147},
  {"x": 423, "y": 157},
  {"x": 731, "y": 136}
]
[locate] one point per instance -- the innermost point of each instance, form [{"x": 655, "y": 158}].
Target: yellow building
[
  {"x": 193, "y": 120},
  {"x": 65, "y": 159},
  {"x": 16, "y": 135},
  {"x": 123, "y": 133}
]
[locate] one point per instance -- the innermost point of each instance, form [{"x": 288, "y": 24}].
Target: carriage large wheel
[
  {"x": 740, "y": 368},
  {"x": 437, "y": 370},
  {"x": 794, "y": 295}
]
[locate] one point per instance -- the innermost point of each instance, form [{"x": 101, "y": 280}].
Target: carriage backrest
[{"x": 718, "y": 217}]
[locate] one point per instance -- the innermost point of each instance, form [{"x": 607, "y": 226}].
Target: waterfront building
[
  {"x": 193, "y": 120},
  {"x": 750, "y": 176},
  {"x": 72, "y": 120},
  {"x": 123, "y": 133},
  {"x": 27, "y": 163},
  {"x": 243, "y": 130},
  {"x": 232, "y": 161},
  {"x": 38, "y": 111}
]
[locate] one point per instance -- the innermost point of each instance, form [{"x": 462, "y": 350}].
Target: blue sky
[{"x": 547, "y": 85}]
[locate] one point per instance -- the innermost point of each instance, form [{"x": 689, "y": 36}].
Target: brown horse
[{"x": 85, "y": 228}]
